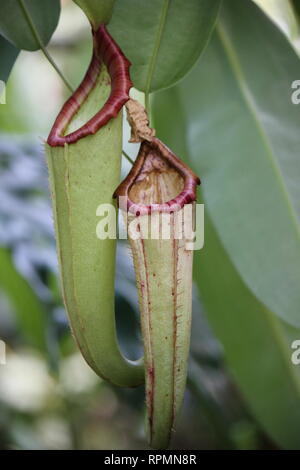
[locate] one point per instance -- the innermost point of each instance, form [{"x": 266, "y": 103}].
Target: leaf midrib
[
  {"x": 157, "y": 42},
  {"x": 246, "y": 94}
]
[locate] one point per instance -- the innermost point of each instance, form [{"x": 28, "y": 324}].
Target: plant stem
[
  {"x": 128, "y": 157},
  {"x": 42, "y": 47},
  {"x": 55, "y": 66},
  {"x": 165, "y": 4},
  {"x": 147, "y": 105}
]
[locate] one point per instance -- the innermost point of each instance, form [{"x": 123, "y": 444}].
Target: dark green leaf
[
  {"x": 8, "y": 54},
  {"x": 281, "y": 13},
  {"x": 296, "y": 5},
  {"x": 26, "y": 23},
  {"x": 162, "y": 38},
  {"x": 284, "y": 15},
  {"x": 256, "y": 343}
]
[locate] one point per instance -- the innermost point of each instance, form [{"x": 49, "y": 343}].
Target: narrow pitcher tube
[
  {"x": 155, "y": 197},
  {"x": 84, "y": 151}
]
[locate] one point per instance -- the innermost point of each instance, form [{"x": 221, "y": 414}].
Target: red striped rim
[
  {"x": 186, "y": 196},
  {"x": 107, "y": 51}
]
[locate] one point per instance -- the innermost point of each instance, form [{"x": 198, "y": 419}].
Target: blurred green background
[{"x": 228, "y": 118}]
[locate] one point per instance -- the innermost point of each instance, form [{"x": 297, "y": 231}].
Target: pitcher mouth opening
[
  {"x": 158, "y": 181},
  {"x": 107, "y": 52}
]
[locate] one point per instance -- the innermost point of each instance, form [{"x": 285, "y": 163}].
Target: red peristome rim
[
  {"x": 187, "y": 195},
  {"x": 106, "y": 50}
]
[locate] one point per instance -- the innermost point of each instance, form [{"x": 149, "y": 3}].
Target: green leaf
[
  {"x": 8, "y": 54},
  {"x": 29, "y": 312},
  {"x": 162, "y": 38},
  {"x": 97, "y": 12},
  {"x": 244, "y": 141},
  {"x": 296, "y": 6},
  {"x": 257, "y": 344},
  {"x": 282, "y": 13},
  {"x": 26, "y": 23}
]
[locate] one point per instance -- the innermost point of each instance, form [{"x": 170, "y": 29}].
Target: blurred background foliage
[{"x": 232, "y": 120}]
